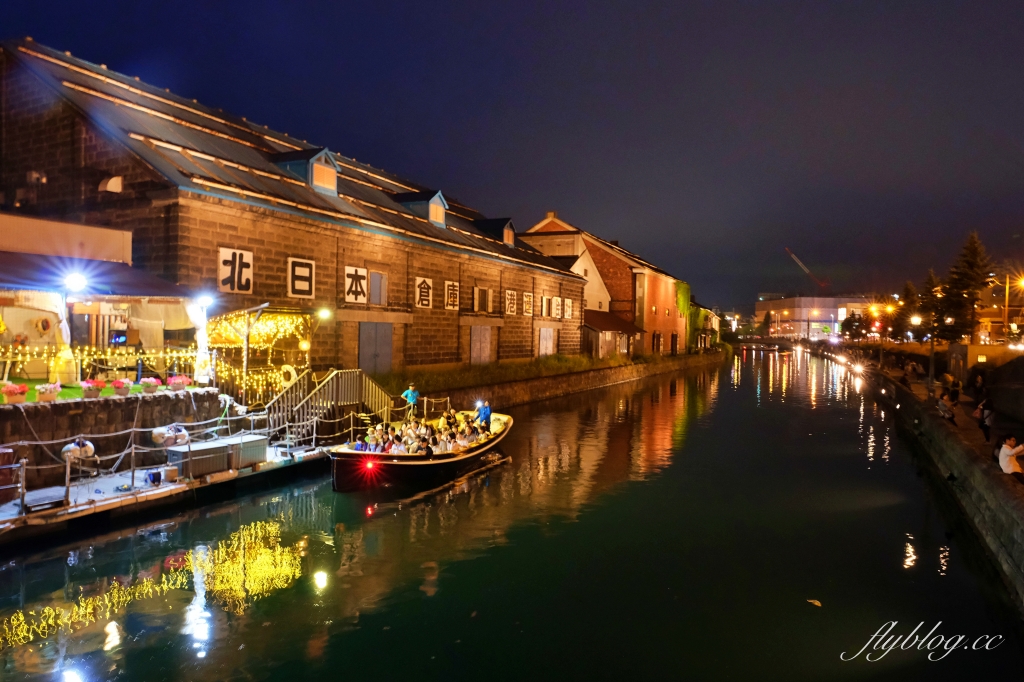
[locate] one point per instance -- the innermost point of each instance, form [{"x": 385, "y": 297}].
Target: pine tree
[
  {"x": 907, "y": 308},
  {"x": 969, "y": 276}
]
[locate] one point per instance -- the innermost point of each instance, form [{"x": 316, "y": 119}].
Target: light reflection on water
[
  {"x": 307, "y": 543},
  {"x": 293, "y": 576}
]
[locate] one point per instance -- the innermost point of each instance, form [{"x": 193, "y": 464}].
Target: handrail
[
  {"x": 281, "y": 394},
  {"x": 325, "y": 382}
]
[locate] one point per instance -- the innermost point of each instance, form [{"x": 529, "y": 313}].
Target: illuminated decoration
[
  {"x": 249, "y": 565},
  {"x": 113, "y": 356},
  {"x": 227, "y": 331},
  {"x": 3, "y": 327}
]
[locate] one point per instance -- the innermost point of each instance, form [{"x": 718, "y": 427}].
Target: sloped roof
[
  {"x": 204, "y": 150},
  {"x": 565, "y": 228}
]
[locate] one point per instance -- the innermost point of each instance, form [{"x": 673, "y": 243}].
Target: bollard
[{"x": 21, "y": 481}]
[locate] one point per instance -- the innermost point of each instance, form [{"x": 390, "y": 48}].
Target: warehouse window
[
  {"x": 378, "y": 288},
  {"x": 437, "y": 213},
  {"x": 481, "y": 300},
  {"x": 325, "y": 177}
]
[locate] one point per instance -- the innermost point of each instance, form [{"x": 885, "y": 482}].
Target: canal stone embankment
[
  {"x": 992, "y": 501},
  {"x": 544, "y": 388}
]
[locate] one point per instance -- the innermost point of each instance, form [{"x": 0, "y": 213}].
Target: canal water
[{"x": 675, "y": 528}]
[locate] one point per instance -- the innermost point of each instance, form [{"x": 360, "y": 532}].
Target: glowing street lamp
[{"x": 75, "y": 282}]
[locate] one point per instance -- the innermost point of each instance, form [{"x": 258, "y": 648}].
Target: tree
[
  {"x": 969, "y": 276},
  {"x": 932, "y": 314},
  {"x": 853, "y": 327},
  {"x": 766, "y": 324},
  {"x": 907, "y": 308}
]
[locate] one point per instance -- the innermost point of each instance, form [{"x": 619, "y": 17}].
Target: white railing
[{"x": 279, "y": 409}]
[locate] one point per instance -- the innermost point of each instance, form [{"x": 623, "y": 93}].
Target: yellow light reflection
[
  {"x": 320, "y": 580},
  {"x": 246, "y": 567}
]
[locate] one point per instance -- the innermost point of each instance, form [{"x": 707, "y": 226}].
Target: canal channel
[{"x": 683, "y": 527}]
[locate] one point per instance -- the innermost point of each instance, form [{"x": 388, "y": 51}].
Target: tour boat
[{"x": 354, "y": 470}]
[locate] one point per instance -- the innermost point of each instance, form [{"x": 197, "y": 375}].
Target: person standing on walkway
[{"x": 412, "y": 396}]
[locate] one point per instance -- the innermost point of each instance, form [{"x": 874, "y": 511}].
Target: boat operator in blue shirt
[
  {"x": 411, "y": 396},
  {"x": 483, "y": 415}
]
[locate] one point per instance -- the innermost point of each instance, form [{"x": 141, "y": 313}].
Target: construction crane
[{"x": 822, "y": 283}]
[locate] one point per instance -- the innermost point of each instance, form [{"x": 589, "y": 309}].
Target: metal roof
[{"x": 197, "y": 148}]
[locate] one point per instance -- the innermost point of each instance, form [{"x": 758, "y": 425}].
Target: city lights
[
  {"x": 323, "y": 314},
  {"x": 320, "y": 580}
]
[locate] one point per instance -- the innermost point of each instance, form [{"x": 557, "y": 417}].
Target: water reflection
[{"x": 211, "y": 586}]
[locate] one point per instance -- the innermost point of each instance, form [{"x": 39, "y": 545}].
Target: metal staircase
[{"x": 346, "y": 401}]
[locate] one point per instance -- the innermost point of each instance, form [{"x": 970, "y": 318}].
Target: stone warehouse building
[
  {"x": 223, "y": 205},
  {"x": 652, "y": 302}
]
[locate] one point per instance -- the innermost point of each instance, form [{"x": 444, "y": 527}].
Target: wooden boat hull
[{"x": 361, "y": 470}]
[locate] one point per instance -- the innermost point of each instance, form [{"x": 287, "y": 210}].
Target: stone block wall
[
  {"x": 992, "y": 501},
  {"x": 64, "y": 419},
  {"x": 506, "y": 395}
]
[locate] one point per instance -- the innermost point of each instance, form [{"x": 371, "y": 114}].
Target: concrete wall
[{"x": 65, "y": 419}]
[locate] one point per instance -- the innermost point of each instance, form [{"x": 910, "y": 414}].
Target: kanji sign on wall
[
  {"x": 527, "y": 303},
  {"x": 355, "y": 284},
  {"x": 424, "y": 292},
  {"x": 234, "y": 271},
  {"x": 556, "y": 307},
  {"x": 567, "y": 308},
  {"x": 301, "y": 278},
  {"x": 510, "y": 302},
  {"x": 451, "y": 295}
]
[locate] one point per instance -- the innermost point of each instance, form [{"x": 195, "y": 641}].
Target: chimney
[{"x": 552, "y": 214}]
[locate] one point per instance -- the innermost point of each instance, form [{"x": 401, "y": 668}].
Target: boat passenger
[
  {"x": 439, "y": 445},
  {"x": 399, "y": 448},
  {"x": 472, "y": 435},
  {"x": 360, "y": 445},
  {"x": 425, "y": 448},
  {"x": 462, "y": 440}
]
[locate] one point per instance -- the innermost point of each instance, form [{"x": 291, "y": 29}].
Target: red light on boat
[
  {"x": 369, "y": 511},
  {"x": 369, "y": 464}
]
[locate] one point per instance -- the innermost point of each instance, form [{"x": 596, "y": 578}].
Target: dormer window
[
  {"x": 437, "y": 213},
  {"x": 509, "y": 235},
  {"x": 429, "y": 204},
  {"x": 325, "y": 177},
  {"x": 314, "y": 166}
]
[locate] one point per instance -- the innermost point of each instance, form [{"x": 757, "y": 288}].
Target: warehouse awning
[
  {"x": 604, "y": 321},
  {"x": 97, "y": 278}
]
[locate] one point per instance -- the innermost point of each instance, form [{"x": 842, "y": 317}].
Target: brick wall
[{"x": 618, "y": 279}]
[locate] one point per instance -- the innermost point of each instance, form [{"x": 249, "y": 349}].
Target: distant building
[
  {"x": 650, "y": 299},
  {"x": 807, "y": 317}
]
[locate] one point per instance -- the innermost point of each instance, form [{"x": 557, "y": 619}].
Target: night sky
[{"x": 867, "y": 137}]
